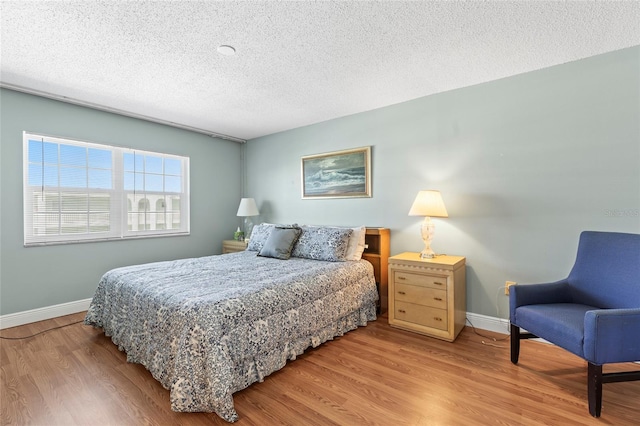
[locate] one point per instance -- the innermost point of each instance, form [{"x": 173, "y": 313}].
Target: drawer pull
[
  {"x": 439, "y": 299},
  {"x": 402, "y": 311},
  {"x": 401, "y": 292},
  {"x": 437, "y": 318},
  {"x": 438, "y": 283},
  {"x": 402, "y": 278}
]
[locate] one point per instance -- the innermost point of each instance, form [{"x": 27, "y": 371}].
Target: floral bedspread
[{"x": 208, "y": 327}]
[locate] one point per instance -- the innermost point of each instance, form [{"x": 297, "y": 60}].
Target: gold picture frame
[{"x": 337, "y": 174}]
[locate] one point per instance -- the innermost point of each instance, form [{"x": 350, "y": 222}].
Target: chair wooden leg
[
  {"x": 515, "y": 343},
  {"x": 594, "y": 389}
]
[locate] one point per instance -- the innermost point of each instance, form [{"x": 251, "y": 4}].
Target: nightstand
[
  {"x": 232, "y": 246},
  {"x": 376, "y": 251},
  {"x": 428, "y": 296}
]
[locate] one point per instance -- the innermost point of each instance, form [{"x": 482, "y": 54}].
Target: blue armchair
[{"x": 593, "y": 313}]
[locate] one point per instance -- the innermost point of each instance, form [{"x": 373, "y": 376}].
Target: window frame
[{"x": 119, "y": 196}]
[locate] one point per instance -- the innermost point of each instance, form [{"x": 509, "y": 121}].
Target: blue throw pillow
[{"x": 280, "y": 243}]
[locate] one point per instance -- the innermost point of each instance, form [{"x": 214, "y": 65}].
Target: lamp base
[
  {"x": 426, "y": 231},
  {"x": 248, "y": 227},
  {"x": 427, "y": 255}
]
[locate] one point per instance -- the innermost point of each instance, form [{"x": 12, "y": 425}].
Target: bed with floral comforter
[{"x": 208, "y": 327}]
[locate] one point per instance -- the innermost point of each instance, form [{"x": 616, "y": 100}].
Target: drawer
[
  {"x": 423, "y": 315},
  {"x": 434, "y": 281},
  {"x": 418, "y": 295}
]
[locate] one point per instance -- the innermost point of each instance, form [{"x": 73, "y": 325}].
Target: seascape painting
[{"x": 338, "y": 174}]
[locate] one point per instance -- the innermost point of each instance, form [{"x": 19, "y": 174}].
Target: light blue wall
[
  {"x": 44, "y": 276},
  {"x": 523, "y": 163}
]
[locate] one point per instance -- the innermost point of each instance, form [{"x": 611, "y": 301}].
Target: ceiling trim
[{"x": 99, "y": 107}]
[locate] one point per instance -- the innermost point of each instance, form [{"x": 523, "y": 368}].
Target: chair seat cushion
[{"x": 559, "y": 323}]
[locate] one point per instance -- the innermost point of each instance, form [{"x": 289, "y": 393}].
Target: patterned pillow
[
  {"x": 259, "y": 236},
  {"x": 323, "y": 243}
]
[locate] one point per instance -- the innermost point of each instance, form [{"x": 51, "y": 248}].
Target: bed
[{"x": 208, "y": 327}]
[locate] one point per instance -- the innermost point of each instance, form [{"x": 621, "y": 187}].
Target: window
[{"x": 79, "y": 191}]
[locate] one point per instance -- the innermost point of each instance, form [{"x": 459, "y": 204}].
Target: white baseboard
[
  {"x": 498, "y": 325},
  {"x": 40, "y": 314}
]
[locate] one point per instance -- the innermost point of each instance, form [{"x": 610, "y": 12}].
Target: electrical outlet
[{"x": 507, "y": 285}]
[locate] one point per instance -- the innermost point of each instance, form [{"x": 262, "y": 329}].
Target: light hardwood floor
[{"x": 375, "y": 375}]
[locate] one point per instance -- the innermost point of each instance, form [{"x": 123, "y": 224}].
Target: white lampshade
[
  {"x": 248, "y": 207},
  {"x": 428, "y": 203}
]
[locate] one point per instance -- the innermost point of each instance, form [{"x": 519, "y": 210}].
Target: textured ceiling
[{"x": 297, "y": 63}]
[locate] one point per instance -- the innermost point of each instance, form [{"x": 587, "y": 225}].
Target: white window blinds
[{"x": 78, "y": 191}]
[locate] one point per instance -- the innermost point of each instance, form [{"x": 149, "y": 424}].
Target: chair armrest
[
  {"x": 538, "y": 294},
  {"x": 611, "y": 335}
]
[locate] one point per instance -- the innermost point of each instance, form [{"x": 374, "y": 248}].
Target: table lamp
[
  {"x": 247, "y": 209},
  {"x": 428, "y": 204}
]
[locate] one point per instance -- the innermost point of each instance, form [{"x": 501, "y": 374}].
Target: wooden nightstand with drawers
[
  {"x": 428, "y": 296},
  {"x": 232, "y": 246}
]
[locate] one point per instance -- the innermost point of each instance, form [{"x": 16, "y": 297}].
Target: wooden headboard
[{"x": 376, "y": 251}]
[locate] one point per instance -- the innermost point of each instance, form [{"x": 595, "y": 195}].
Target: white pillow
[{"x": 356, "y": 243}]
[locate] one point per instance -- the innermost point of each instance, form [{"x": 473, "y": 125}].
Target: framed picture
[{"x": 338, "y": 174}]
